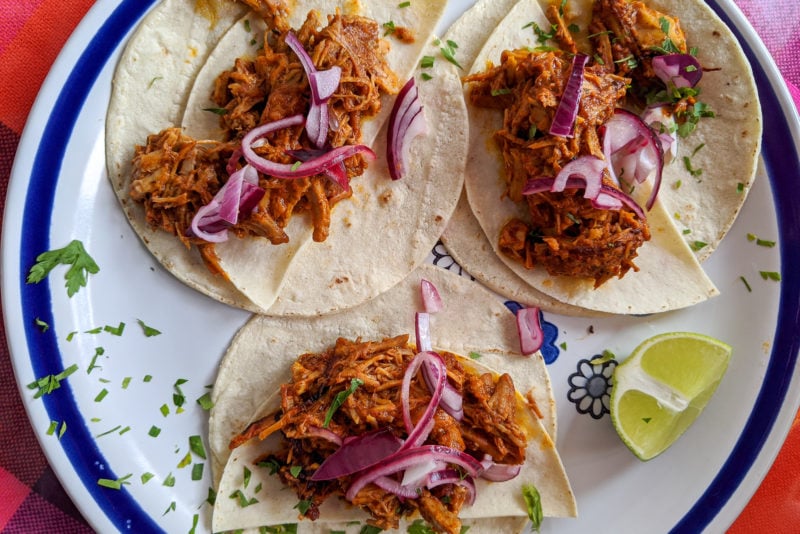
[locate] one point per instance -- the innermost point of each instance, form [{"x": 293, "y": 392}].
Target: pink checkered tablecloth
[{"x": 32, "y": 33}]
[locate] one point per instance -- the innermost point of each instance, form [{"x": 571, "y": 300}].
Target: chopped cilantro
[
  {"x": 475, "y": 355},
  {"x": 114, "y": 484},
  {"x": 50, "y": 383},
  {"x": 404, "y": 4},
  {"x": 242, "y": 499},
  {"x": 247, "y": 25},
  {"x": 178, "y": 398},
  {"x": 186, "y": 460},
  {"x": 425, "y": 76},
  {"x": 205, "y": 401},
  {"x": 687, "y": 162},
  {"x": 126, "y": 382},
  {"x": 52, "y": 428},
  {"x": 197, "y": 471},
  {"x": 647, "y": 419},
  {"x": 164, "y": 410},
  {"x": 216, "y": 111},
  {"x": 449, "y": 53},
  {"x": 746, "y": 284},
  {"x": 246, "y": 475},
  {"x": 270, "y": 464},
  {"x": 154, "y": 80},
  {"x": 169, "y": 481},
  {"x": 170, "y": 508},
  {"x": 145, "y": 478},
  {"x": 154, "y": 431},
  {"x": 303, "y": 506},
  {"x": 107, "y": 432},
  {"x": 115, "y": 330},
  {"x": 98, "y": 351},
  {"x": 542, "y": 36},
  {"x": 563, "y": 345},
  {"x": 533, "y": 501},
  {"x": 74, "y": 255},
  {"x": 427, "y": 62},
  {"x": 43, "y": 326},
  {"x": 389, "y": 28},
  {"x": 102, "y": 395},
  {"x": 196, "y": 446},
  {"x": 420, "y": 527},
  {"x": 339, "y": 399},
  {"x": 698, "y": 245},
  {"x": 770, "y": 275},
  {"x": 295, "y": 470},
  {"x": 148, "y": 330},
  {"x": 212, "y": 496}
]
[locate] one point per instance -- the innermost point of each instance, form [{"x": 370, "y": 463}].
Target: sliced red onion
[
  {"x": 406, "y": 121},
  {"x": 660, "y": 119},
  {"x": 238, "y": 196},
  {"x": 587, "y": 168},
  {"x": 431, "y": 300},
  {"x": 358, "y": 453},
  {"x": 422, "y": 328},
  {"x": 567, "y": 110},
  {"x": 498, "y": 472},
  {"x": 337, "y": 173},
  {"x": 529, "y": 329},
  {"x": 632, "y": 147},
  {"x": 397, "y": 488},
  {"x": 678, "y": 70},
  {"x": 452, "y": 476},
  {"x": 451, "y": 401},
  {"x": 323, "y": 84},
  {"x": 316, "y": 165},
  {"x": 406, "y": 458},
  {"x": 324, "y": 433},
  {"x": 417, "y": 474},
  {"x": 419, "y": 433},
  {"x": 607, "y": 199}
]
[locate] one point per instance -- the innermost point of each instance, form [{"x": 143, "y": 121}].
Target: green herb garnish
[
  {"x": 534, "y": 503},
  {"x": 148, "y": 330},
  {"x": 114, "y": 484},
  {"x": 449, "y": 53},
  {"x": 770, "y": 275},
  {"x": 216, "y": 111},
  {"x": 48, "y": 384},
  {"x": 339, "y": 399},
  {"x": 746, "y": 284},
  {"x": 74, "y": 255}
]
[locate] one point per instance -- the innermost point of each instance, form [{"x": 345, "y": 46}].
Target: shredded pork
[
  {"x": 489, "y": 425},
  {"x": 174, "y": 175},
  {"x": 564, "y": 233}
]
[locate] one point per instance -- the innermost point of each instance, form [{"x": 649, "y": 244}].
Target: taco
[
  {"x": 274, "y": 365},
  {"x": 634, "y": 247},
  {"x": 245, "y": 223}
]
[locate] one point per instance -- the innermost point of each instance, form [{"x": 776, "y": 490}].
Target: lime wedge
[{"x": 663, "y": 386}]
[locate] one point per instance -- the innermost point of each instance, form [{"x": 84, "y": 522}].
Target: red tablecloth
[{"x": 32, "y": 33}]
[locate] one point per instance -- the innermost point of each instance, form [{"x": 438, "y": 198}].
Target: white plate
[{"x": 59, "y": 191}]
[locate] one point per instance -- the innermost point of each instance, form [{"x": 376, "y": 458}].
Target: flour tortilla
[
  {"x": 473, "y": 320},
  {"x": 699, "y": 210},
  {"x": 377, "y": 237}
]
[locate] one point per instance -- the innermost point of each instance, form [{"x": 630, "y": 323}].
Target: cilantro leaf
[
  {"x": 74, "y": 255},
  {"x": 534, "y": 503},
  {"x": 339, "y": 399}
]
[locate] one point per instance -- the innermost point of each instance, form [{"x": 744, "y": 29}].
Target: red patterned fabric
[{"x": 32, "y": 32}]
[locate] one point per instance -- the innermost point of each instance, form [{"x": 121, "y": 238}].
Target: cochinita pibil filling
[
  {"x": 567, "y": 230},
  {"x": 177, "y": 178},
  {"x": 347, "y": 404}
]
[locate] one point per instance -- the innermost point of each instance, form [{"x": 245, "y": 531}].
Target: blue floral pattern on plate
[{"x": 590, "y": 386}]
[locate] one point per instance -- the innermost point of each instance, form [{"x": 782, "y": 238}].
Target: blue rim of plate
[{"x": 783, "y": 165}]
